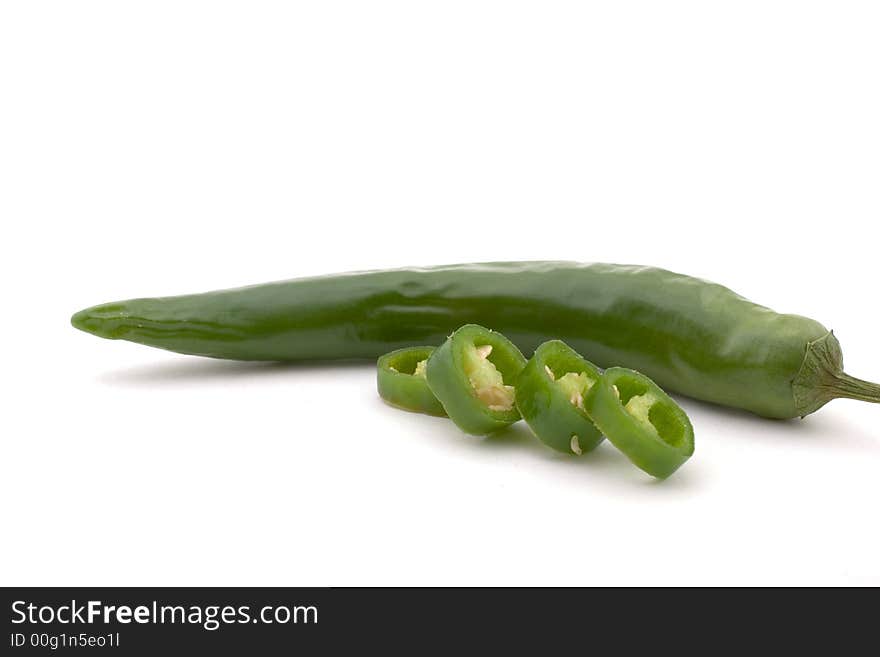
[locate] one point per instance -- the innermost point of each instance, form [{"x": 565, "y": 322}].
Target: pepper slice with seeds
[
  {"x": 401, "y": 381},
  {"x": 641, "y": 420},
  {"x": 473, "y": 375},
  {"x": 550, "y": 396}
]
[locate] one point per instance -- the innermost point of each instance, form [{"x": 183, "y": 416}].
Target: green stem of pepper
[
  {"x": 849, "y": 387},
  {"x": 821, "y": 378}
]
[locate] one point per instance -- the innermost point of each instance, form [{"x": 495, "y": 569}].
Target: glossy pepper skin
[
  {"x": 448, "y": 377},
  {"x": 400, "y": 385},
  {"x": 693, "y": 337},
  {"x": 641, "y": 420},
  {"x": 555, "y": 413}
]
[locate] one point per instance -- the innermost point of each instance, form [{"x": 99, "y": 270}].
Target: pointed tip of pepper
[
  {"x": 84, "y": 320},
  {"x": 98, "y": 320}
]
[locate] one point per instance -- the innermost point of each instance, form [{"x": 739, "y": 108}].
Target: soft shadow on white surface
[
  {"x": 207, "y": 370},
  {"x": 604, "y": 466},
  {"x": 825, "y": 429}
]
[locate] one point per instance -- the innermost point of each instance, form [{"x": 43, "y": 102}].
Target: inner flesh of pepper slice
[
  {"x": 418, "y": 371},
  {"x": 656, "y": 418},
  {"x": 639, "y": 407},
  {"x": 486, "y": 380},
  {"x": 574, "y": 384}
]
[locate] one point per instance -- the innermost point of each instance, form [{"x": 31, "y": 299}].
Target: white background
[{"x": 170, "y": 147}]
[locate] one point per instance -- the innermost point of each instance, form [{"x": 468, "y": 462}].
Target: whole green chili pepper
[
  {"x": 641, "y": 420},
  {"x": 550, "y": 397},
  {"x": 691, "y": 336},
  {"x": 400, "y": 379},
  {"x": 471, "y": 374}
]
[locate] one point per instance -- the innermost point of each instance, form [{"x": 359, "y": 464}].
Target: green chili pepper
[
  {"x": 692, "y": 337},
  {"x": 550, "y": 397},
  {"x": 641, "y": 420},
  {"x": 401, "y": 380},
  {"x": 471, "y": 374}
]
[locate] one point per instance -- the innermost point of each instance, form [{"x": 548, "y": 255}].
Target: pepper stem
[
  {"x": 822, "y": 378},
  {"x": 849, "y": 387}
]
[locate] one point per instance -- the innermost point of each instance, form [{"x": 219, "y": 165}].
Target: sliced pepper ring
[
  {"x": 400, "y": 379},
  {"x": 641, "y": 420},
  {"x": 472, "y": 374},
  {"x": 550, "y": 395}
]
